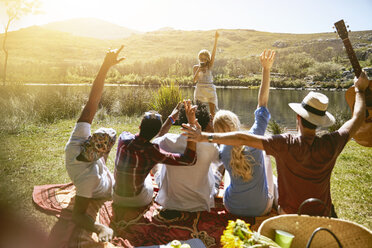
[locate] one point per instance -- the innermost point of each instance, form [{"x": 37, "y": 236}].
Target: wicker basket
[{"x": 302, "y": 226}]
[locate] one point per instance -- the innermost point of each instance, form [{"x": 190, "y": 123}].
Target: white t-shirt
[
  {"x": 187, "y": 188},
  {"x": 91, "y": 179}
]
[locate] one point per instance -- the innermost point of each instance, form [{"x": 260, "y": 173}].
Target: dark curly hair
[{"x": 202, "y": 114}]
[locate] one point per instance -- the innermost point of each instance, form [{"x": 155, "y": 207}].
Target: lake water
[{"x": 243, "y": 101}]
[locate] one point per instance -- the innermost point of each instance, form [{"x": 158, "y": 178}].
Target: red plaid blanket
[{"x": 132, "y": 226}]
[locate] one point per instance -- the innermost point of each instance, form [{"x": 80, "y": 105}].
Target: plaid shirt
[{"x": 135, "y": 158}]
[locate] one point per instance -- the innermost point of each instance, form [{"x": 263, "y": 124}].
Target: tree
[{"x": 15, "y": 10}]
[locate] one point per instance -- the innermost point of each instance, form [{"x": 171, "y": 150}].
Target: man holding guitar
[
  {"x": 363, "y": 135},
  {"x": 304, "y": 161}
]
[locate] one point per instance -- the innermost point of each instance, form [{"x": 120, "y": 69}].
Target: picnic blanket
[{"x": 132, "y": 226}]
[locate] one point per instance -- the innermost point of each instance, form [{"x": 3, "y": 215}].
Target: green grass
[{"x": 35, "y": 156}]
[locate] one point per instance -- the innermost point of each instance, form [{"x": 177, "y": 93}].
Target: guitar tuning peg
[
  {"x": 334, "y": 31},
  {"x": 347, "y": 26},
  {"x": 333, "y": 27},
  {"x": 349, "y": 31}
]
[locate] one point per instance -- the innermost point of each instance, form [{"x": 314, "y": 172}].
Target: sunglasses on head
[{"x": 152, "y": 115}]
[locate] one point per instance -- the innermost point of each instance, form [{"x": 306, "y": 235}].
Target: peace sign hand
[{"x": 112, "y": 57}]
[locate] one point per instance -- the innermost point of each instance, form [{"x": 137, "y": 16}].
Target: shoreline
[{"x": 182, "y": 86}]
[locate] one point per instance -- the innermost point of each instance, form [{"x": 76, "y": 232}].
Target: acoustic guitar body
[{"x": 364, "y": 134}]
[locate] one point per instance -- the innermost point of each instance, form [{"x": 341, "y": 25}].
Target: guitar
[{"x": 364, "y": 135}]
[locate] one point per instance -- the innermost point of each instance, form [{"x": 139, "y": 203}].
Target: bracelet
[
  {"x": 210, "y": 138},
  {"x": 171, "y": 119}
]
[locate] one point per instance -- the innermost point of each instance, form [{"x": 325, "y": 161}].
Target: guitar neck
[{"x": 352, "y": 57}]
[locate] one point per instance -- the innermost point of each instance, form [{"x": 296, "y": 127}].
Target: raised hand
[
  {"x": 267, "y": 59},
  {"x": 216, "y": 35},
  {"x": 190, "y": 112},
  {"x": 192, "y": 133},
  {"x": 176, "y": 111},
  {"x": 112, "y": 57}
]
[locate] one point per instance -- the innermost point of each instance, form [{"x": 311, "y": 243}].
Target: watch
[{"x": 210, "y": 138}]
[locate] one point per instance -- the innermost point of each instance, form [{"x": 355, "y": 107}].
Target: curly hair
[
  {"x": 202, "y": 114},
  {"x": 241, "y": 164}
]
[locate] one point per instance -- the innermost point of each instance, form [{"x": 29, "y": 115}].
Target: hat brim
[{"x": 321, "y": 121}]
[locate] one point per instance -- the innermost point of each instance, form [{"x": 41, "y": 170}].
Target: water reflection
[{"x": 244, "y": 101}]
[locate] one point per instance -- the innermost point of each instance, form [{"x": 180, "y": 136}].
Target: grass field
[{"x": 35, "y": 156}]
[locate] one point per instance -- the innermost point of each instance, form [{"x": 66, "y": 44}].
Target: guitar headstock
[{"x": 341, "y": 29}]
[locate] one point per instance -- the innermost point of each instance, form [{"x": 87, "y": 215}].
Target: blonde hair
[
  {"x": 241, "y": 165},
  {"x": 206, "y": 53}
]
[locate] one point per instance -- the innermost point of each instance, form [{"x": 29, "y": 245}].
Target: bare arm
[
  {"x": 168, "y": 123},
  {"x": 214, "y": 49},
  {"x": 266, "y": 60},
  {"x": 358, "y": 117},
  {"x": 190, "y": 113},
  {"x": 91, "y": 107},
  {"x": 81, "y": 219},
  {"x": 195, "y": 70},
  {"x": 237, "y": 138}
]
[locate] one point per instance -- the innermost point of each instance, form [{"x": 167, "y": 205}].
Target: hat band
[{"x": 313, "y": 110}]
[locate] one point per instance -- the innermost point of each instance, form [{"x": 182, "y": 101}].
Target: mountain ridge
[{"x": 91, "y": 27}]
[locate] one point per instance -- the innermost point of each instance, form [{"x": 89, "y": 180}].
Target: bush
[
  {"x": 295, "y": 64},
  {"x": 135, "y": 102},
  {"x": 341, "y": 118},
  {"x": 326, "y": 70},
  {"x": 275, "y": 128},
  {"x": 51, "y": 106},
  {"x": 166, "y": 99}
]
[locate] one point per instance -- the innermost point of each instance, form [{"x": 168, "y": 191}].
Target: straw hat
[{"x": 314, "y": 109}]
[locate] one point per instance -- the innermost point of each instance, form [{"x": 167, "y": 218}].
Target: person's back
[
  {"x": 304, "y": 165},
  {"x": 136, "y": 156},
  {"x": 187, "y": 188}
]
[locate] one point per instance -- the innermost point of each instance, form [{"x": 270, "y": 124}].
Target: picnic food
[
  {"x": 238, "y": 234},
  {"x": 177, "y": 244}
]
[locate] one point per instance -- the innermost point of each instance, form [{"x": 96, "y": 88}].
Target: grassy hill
[{"x": 39, "y": 50}]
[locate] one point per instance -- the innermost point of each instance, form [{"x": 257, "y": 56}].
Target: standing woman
[
  {"x": 250, "y": 191},
  {"x": 205, "y": 90}
]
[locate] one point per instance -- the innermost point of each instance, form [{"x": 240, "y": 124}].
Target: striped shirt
[{"x": 136, "y": 157}]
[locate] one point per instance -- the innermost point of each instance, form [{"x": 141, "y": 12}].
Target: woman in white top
[{"x": 205, "y": 90}]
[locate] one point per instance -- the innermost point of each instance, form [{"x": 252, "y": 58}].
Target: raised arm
[
  {"x": 91, "y": 107},
  {"x": 358, "y": 117},
  {"x": 190, "y": 114},
  {"x": 237, "y": 138},
  {"x": 214, "y": 49},
  {"x": 266, "y": 60},
  {"x": 170, "y": 120}
]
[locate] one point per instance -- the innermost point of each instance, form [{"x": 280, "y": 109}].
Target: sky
[{"x": 287, "y": 16}]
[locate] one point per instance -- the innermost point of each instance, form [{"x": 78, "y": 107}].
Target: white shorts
[
  {"x": 142, "y": 199},
  {"x": 206, "y": 92}
]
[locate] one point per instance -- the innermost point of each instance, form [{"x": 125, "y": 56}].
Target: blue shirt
[{"x": 248, "y": 198}]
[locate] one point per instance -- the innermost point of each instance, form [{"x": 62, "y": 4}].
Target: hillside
[
  {"x": 38, "y": 42},
  {"x": 91, "y": 27},
  {"x": 36, "y": 51}
]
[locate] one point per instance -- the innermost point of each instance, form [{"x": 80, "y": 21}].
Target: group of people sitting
[{"x": 188, "y": 167}]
